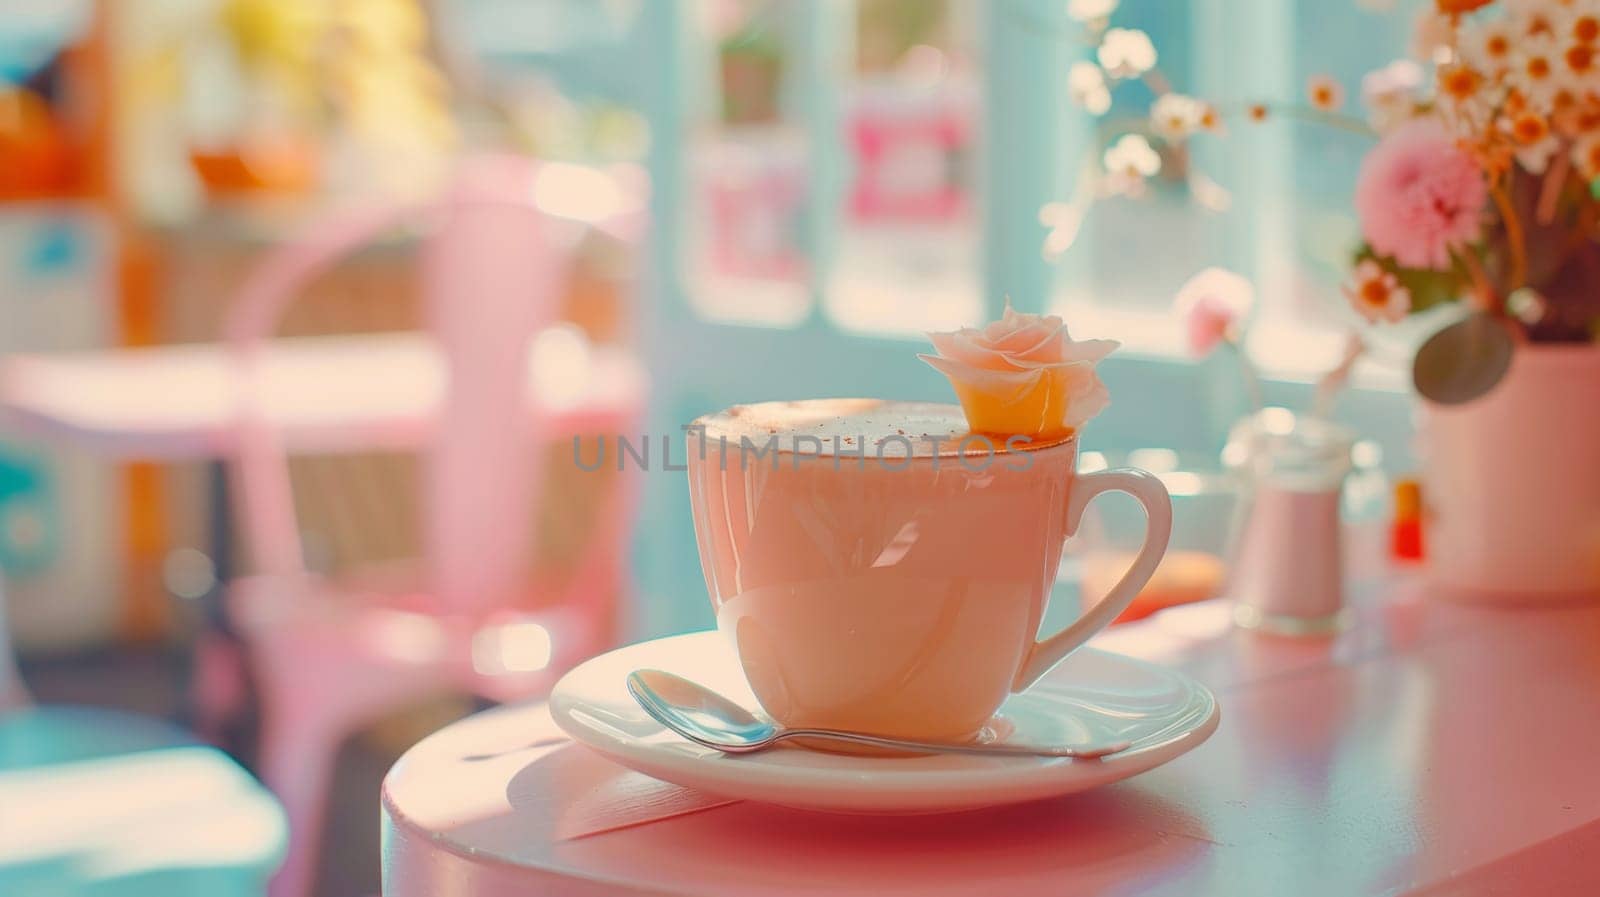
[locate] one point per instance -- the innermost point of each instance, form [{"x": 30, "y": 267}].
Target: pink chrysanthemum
[{"x": 1420, "y": 196}]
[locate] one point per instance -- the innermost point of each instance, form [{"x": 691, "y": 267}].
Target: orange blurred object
[
  {"x": 281, "y": 166},
  {"x": 1406, "y": 538},
  {"x": 1184, "y": 577},
  {"x": 36, "y": 158}
]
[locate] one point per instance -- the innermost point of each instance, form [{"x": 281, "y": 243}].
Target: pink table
[
  {"x": 1431, "y": 750},
  {"x": 322, "y": 393}
]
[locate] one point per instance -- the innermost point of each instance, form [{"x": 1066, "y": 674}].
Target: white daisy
[
  {"x": 1537, "y": 71},
  {"x": 1376, "y": 295},
  {"x": 1390, "y": 94},
  {"x": 1489, "y": 46},
  {"x": 1580, "y": 68},
  {"x": 1579, "y": 22},
  {"x": 1536, "y": 19},
  {"x": 1533, "y": 18}
]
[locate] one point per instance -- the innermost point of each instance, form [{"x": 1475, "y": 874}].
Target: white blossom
[
  {"x": 1086, "y": 87},
  {"x": 1126, "y": 53},
  {"x": 1091, "y": 10},
  {"x": 1175, "y": 116}
]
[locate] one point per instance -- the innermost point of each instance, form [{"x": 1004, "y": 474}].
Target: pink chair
[{"x": 331, "y": 656}]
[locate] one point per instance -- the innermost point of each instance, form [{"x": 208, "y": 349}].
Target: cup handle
[{"x": 1158, "y": 530}]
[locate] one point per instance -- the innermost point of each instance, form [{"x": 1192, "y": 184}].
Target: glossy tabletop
[
  {"x": 1432, "y": 749},
  {"x": 322, "y": 393}
]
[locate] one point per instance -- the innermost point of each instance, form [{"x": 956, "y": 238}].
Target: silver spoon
[{"x": 705, "y": 717}]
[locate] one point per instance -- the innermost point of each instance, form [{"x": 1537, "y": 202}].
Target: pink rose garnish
[
  {"x": 1023, "y": 374},
  {"x": 1419, "y": 196},
  {"x": 1211, "y": 305}
]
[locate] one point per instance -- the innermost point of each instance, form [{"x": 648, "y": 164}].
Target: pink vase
[{"x": 1512, "y": 483}]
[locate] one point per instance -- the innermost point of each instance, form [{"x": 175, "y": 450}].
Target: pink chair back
[
  {"x": 260, "y": 472},
  {"x": 492, "y": 278},
  {"x": 492, "y": 271}
]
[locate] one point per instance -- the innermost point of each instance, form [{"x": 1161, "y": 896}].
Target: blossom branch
[
  {"x": 1319, "y": 117},
  {"x": 1329, "y": 386},
  {"x": 1550, "y": 188},
  {"x": 1514, "y": 236},
  {"x": 1247, "y": 373},
  {"x": 1482, "y": 289}
]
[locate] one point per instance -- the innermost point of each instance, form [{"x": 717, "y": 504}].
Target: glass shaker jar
[{"x": 1286, "y": 571}]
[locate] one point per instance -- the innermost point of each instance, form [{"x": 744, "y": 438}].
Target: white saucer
[{"x": 1093, "y": 696}]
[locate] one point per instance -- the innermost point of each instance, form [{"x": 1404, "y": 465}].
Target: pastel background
[{"x": 787, "y": 195}]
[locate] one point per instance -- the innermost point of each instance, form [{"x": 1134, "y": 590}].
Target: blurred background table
[
  {"x": 320, "y": 393},
  {"x": 1431, "y": 750}
]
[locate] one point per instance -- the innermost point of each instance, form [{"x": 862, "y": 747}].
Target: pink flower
[
  {"x": 1211, "y": 304},
  {"x": 1419, "y": 196}
]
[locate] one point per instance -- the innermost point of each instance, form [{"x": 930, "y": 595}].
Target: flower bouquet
[
  {"x": 1482, "y": 190},
  {"x": 1483, "y": 186}
]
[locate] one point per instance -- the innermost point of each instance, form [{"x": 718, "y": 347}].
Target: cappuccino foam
[{"x": 852, "y": 426}]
